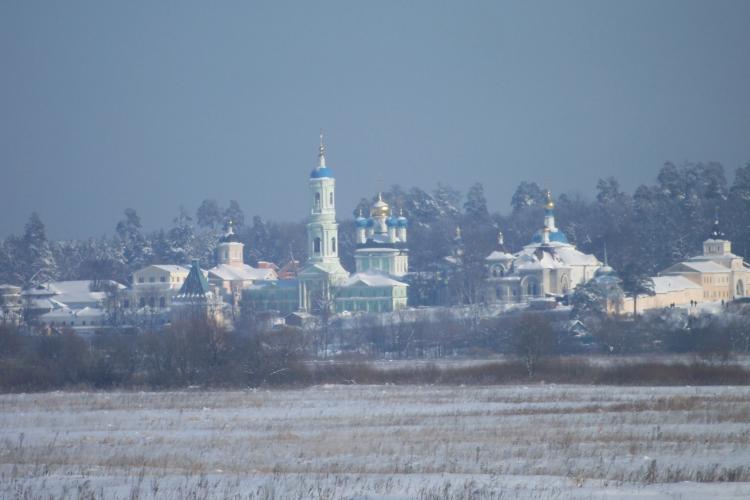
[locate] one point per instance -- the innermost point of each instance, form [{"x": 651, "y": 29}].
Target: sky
[{"x": 152, "y": 105}]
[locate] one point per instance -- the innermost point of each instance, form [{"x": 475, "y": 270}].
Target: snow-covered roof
[
  {"x": 375, "y": 250},
  {"x": 70, "y": 292},
  {"x": 89, "y": 312},
  {"x": 381, "y": 239},
  {"x": 552, "y": 256},
  {"x": 244, "y": 272},
  {"x": 706, "y": 266},
  {"x": 534, "y": 260},
  {"x": 666, "y": 284},
  {"x": 170, "y": 268},
  {"x": 372, "y": 279},
  {"x": 273, "y": 284},
  {"x": 498, "y": 255},
  {"x": 67, "y": 313}
]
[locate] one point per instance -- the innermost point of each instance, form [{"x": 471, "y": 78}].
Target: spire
[
  {"x": 230, "y": 228},
  {"x": 606, "y": 263},
  {"x": 717, "y": 234},
  {"x": 550, "y": 204},
  {"x": 549, "y": 213},
  {"x": 321, "y": 152},
  {"x": 195, "y": 284},
  {"x": 500, "y": 240}
]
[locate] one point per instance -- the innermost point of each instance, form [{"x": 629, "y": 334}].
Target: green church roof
[{"x": 195, "y": 285}]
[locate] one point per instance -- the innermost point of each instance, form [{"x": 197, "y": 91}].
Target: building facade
[
  {"x": 322, "y": 284},
  {"x": 549, "y": 266},
  {"x": 716, "y": 275},
  {"x": 154, "y": 287},
  {"x": 381, "y": 241}
]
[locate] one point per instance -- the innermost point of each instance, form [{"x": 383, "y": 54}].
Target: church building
[
  {"x": 381, "y": 241},
  {"x": 549, "y": 266},
  {"x": 322, "y": 284}
]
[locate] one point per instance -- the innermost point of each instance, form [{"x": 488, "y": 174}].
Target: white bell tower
[
  {"x": 323, "y": 269},
  {"x": 322, "y": 228}
]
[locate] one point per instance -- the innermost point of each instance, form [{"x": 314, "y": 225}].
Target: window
[
  {"x": 316, "y": 246},
  {"x": 162, "y": 302},
  {"x": 317, "y": 201},
  {"x": 151, "y": 302},
  {"x": 126, "y": 304},
  {"x": 140, "y": 279},
  {"x": 330, "y": 198},
  {"x": 142, "y": 302},
  {"x": 740, "y": 288},
  {"x": 163, "y": 279},
  {"x": 333, "y": 245}
]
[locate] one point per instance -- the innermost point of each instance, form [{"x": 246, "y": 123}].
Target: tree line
[{"x": 643, "y": 231}]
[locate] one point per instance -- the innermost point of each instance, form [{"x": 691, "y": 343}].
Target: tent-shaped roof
[{"x": 195, "y": 284}]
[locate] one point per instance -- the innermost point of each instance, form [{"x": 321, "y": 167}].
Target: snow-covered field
[{"x": 380, "y": 442}]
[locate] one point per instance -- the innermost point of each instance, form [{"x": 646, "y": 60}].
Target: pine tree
[
  {"x": 37, "y": 257},
  {"x": 181, "y": 238},
  {"x": 135, "y": 248}
]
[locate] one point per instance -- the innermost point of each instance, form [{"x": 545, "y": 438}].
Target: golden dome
[
  {"x": 380, "y": 208},
  {"x": 550, "y": 204}
]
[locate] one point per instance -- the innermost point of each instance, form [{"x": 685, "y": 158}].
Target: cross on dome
[{"x": 321, "y": 151}]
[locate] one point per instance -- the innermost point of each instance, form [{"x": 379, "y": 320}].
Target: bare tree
[{"x": 534, "y": 339}]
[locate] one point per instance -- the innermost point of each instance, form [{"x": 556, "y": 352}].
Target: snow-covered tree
[
  {"x": 181, "y": 238},
  {"x": 36, "y": 254},
  {"x": 135, "y": 248}
]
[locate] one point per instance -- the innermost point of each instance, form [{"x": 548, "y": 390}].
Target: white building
[
  {"x": 155, "y": 286},
  {"x": 80, "y": 304},
  {"x": 549, "y": 266},
  {"x": 323, "y": 283},
  {"x": 323, "y": 270},
  {"x": 716, "y": 275},
  {"x": 381, "y": 241},
  {"x": 231, "y": 275}
]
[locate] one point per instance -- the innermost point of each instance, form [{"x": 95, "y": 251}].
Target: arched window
[
  {"x": 333, "y": 245},
  {"x": 330, "y": 198},
  {"x": 316, "y": 246},
  {"x": 740, "y": 289},
  {"x": 317, "y": 201}
]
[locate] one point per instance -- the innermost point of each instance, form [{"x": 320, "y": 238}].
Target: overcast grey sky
[{"x": 154, "y": 104}]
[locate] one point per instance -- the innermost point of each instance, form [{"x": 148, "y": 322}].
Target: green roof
[{"x": 195, "y": 285}]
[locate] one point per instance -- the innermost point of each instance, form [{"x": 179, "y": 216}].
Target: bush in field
[{"x": 533, "y": 339}]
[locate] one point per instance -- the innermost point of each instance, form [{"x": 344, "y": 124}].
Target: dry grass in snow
[{"x": 379, "y": 442}]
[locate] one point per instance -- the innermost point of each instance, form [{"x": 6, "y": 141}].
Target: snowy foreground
[{"x": 380, "y": 442}]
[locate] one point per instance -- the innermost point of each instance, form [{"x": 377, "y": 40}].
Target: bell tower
[
  {"x": 322, "y": 228},
  {"x": 323, "y": 269}
]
